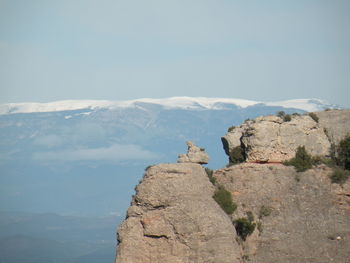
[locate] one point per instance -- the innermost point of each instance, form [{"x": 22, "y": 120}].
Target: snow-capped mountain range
[
  {"x": 187, "y": 103},
  {"x": 86, "y": 156}
]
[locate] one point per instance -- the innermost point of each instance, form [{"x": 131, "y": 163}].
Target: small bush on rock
[
  {"x": 250, "y": 216},
  {"x": 287, "y": 117},
  {"x": 302, "y": 160},
  {"x": 313, "y": 116},
  {"x": 264, "y": 211},
  {"x": 339, "y": 176},
  {"x": 244, "y": 227},
  {"x": 281, "y": 114},
  {"x": 230, "y": 129},
  {"x": 149, "y": 166},
  {"x": 344, "y": 153},
  {"x": 237, "y": 155},
  {"x": 212, "y": 179},
  {"x": 224, "y": 199},
  {"x": 317, "y": 160}
]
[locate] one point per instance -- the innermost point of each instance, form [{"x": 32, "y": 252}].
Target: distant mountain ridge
[
  {"x": 168, "y": 103},
  {"x": 79, "y": 140},
  {"x": 83, "y": 158}
]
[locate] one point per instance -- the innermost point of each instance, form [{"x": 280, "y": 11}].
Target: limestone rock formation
[
  {"x": 194, "y": 155},
  {"x": 335, "y": 123},
  {"x": 300, "y": 217},
  {"x": 174, "y": 219},
  {"x": 271, "y": 139}
]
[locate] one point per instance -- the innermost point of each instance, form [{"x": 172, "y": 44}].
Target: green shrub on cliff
[
  {"x": 210, "y": 172},
  {"x": 236, "y": 155},
  {"x": 339, "y": 176},
  {"x": 302, "y": 160},
  {"x": 343, "y": 153},
  {"x": 313, "y": 116},
  {"x": 287, "y": 117},
  {"x": 244, "y": 227},
  {"x": 224, "y": 199}
]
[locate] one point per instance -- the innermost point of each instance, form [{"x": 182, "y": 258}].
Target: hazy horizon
[{"x": 123, "y": 50}]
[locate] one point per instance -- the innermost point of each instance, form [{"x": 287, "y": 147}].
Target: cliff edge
[
  {"x": 279, "y": 214},
  {"x": 173, "y": 218}
]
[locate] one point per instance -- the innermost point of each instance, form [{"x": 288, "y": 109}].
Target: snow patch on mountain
[
  {"x": 303, "y": 104},
  {"x": 192, "y": 103}
]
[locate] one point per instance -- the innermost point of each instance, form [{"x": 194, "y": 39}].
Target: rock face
[
  {"x": 194, "y": 155},
  {"x": 174, "y": 219},
  {"x": 300, "y": 217},
  {"x": 336, "y": 124},
  {"x": 271, "y": 139}
]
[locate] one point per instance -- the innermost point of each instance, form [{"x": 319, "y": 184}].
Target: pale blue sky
[{"x": 127, "y": 49}]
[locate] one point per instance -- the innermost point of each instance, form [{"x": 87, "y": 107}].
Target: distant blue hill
[{"x": 85, "y": 157}]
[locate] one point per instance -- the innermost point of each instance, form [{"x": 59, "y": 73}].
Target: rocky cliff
[
  {"x": 276, "y": 139},
  {"x": 290, "y": 216}
]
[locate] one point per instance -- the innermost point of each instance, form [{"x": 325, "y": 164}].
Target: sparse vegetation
[
  {"x": 237, "y": 155},
  {"x": 339, "y": 176},
  {"x": 264, "y": 211},
  {"x": 245, "y": 257},
  {"x": 149, "y": 166},
  {"x": 296, "y": 114},
  {"x": 341, "y": 161},
  {"x": 317, "y": 160},
  {"x": 244, "y": 227},
  {"x": 343, "y": 153},
  {"x": 250, "y": 216},
  {"x": 287, "y": 117},
  {"x": 230, "y": 129},
  {"x": 313, "y": 116},
  {"x": 281, "y": 114},
  {"x": 302, "y": 160},
  {"x": 224, "y": 199},
  {"x": 212, "y": 179}
]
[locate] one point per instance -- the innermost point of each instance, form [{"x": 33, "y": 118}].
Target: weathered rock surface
[
  {"x": 174, "y": 219},
  {"x": 194, "y": 155},
  {"x": 301, "y": 217},
  {"x": 270, "y": 139},
  {"x": 336, "y": 124}
]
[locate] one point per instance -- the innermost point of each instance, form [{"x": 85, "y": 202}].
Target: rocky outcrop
[
  {"x": 300, "y": 217},
  {"x": 293, "y": 217},
  {"x": 173, "y": 218},
  {"x": 194, "y": 155},
  {"x": 271, "y": 139},
  {"x": 335, "y": 123}
]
